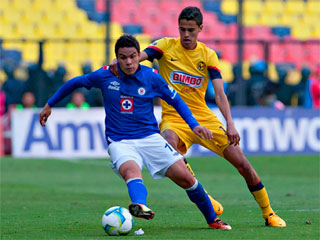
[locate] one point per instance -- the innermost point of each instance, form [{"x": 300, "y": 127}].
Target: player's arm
[
  {"x": 65, "y": 90},
  {"x": 223, "y": 104}
]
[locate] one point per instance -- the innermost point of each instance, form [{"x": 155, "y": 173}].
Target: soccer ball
[{"x": 117, "y": 221}]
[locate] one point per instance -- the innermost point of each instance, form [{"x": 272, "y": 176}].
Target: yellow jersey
[{"x": 188, "y": 72}]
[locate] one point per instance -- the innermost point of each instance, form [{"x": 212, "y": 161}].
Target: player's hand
[
  {"x": 44, "y": 115},
  {"x": 113, "y": 68},
  {"x": 233, "y": 135},
  {"x": 203, "y": 132}
]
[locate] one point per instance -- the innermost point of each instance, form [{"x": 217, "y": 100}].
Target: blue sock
[
  {"x": 137, "y": 191},
  {"x": 197, "y": 195}
]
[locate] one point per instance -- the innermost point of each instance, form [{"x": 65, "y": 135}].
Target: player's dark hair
[
  {"x": 127, "y": 40},
  {"x": 191, "y": 13}
]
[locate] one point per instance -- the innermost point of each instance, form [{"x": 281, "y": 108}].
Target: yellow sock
[{"x": 262, "y": 199}]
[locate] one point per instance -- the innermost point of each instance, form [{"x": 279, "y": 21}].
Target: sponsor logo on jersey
[
  {"x": 141, "y": 91},
  {"x": 154, "y": 43},
  {"x": 126, "y": 104},
  {"x": 114, "y": 86},
  {"x": 178, "y": 77},
  {"x": 201, "y": 66}
]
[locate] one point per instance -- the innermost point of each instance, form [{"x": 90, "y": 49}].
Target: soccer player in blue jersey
[
  {"x": 132, "y": 130},
  {"x": 187, "y": 65}
]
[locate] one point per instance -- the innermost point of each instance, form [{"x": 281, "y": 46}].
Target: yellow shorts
[{"x": 217, "y": 144}]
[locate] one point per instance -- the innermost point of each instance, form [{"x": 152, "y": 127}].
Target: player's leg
[
  {"x": 131, "y": 173},
  {"x": 174, "y": 140},
  {"x": 127, "y": 163},
  {"x": 178, "y": 173},
  {"x": 236, "y": 157}
]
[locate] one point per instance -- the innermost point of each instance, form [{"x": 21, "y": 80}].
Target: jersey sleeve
[
  {"x": 87, "y": 81},
  {"x": 213, "y": 65},
  {"x": 156, "y": 49},
  {"x": 171, "y": 96}
]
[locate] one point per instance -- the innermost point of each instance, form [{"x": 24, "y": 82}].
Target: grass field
[{"x": 57, "y": 199}]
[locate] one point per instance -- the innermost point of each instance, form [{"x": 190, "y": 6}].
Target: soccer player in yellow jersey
[{"x": 187, "y": 65}]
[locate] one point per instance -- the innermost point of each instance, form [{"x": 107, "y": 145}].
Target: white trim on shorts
[{"x": 153, "y": 152}]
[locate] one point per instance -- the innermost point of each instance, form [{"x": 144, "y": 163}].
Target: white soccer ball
[{"x": 117, "y": 221}]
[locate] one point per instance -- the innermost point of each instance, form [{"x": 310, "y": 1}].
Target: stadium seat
[
  {"x": 228, "y": 51},
  {"x": 273, "y": 7},
  {"x": 213, "y": 6},
  {"x": 132, "y": 29},
  {"x": 7, "y": 31},
  {"x": 269, "y": 20},
  {"x": 147, "y": 5},
  {"x": 252, "y": 6},
  {"x": 258, "y": 33},
  {"x": 29, "y": 51},
  {"x": 30, "y": 16},
  {"x": 313, "y": 6},
  {"x": 281, "y": 31},
  {"x": 226, "y": 71},
  {"x": 250, "y": 19},
  {"x": 315, "y": 33},
  {"x": 294, "y": 7},
  {"x": 194, "y": 3},
  {"x": 169, "y": 5},
  {"x": 53, "y": 17},
  {"x": 229, "y": 7},
  {"x": 290, "y": 19},
  {"x": 277, "y": 53},
  {"x": 253, "y": 50},
  {"x": 227, "y": 19},
  {"x": 301, "y": 32},
  {"x": 12, "y": 16}
]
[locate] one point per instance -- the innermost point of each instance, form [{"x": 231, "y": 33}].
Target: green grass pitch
[{"x": 57, "y": 199}]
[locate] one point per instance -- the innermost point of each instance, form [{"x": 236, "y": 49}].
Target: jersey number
[{"x": 168, "y": 146}]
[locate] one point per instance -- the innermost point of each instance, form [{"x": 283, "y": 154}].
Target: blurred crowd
[{"x": 30, "y": 86}]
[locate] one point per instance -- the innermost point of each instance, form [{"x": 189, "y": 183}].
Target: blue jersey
[{"x": 128, "y": 101}]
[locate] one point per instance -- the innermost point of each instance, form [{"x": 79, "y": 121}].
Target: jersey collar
[{"x": 136, "y": 75}]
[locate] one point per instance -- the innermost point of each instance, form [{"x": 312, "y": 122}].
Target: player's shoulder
[
  {"x": 147, "y": 69},
  {"x": 204, "y": 47},
  {"x": 165, "y": 41},
  {"x": 102, "y": 73}
]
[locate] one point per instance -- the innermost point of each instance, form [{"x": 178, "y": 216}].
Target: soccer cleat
[
  {"x": 141, "y": 211},
  {"x": 219, "y": 224},
  {"x": 218, "y": 209},
  {"x": 274, "y": 220}
]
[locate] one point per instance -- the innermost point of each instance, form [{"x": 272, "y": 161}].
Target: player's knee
[{"x": 188, "y": 182}]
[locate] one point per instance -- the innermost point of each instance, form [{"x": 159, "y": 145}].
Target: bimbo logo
[{"x": 186, "y": 79}]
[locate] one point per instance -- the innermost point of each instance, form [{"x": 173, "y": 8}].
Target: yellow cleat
[
  {"x": 274, "y": 220},
  {"x": 216, "y": 205}
]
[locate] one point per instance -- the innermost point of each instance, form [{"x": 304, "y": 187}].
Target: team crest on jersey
[
  {"x": 201, "y": 66},
  {"x": 178, "y": 77},
  {"x": 141, "y": 91},
  {"x": 126, "y": 104}
]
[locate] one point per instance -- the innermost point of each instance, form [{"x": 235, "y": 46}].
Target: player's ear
[{"x": 201, "y": 27}]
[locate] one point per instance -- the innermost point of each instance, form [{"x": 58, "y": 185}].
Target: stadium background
[{"x": 46, "y": 42}]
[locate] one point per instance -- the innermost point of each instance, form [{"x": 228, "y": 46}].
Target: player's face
[
  {"x": 189, "y": 31},
  {"x": 128, "y": 59}
]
